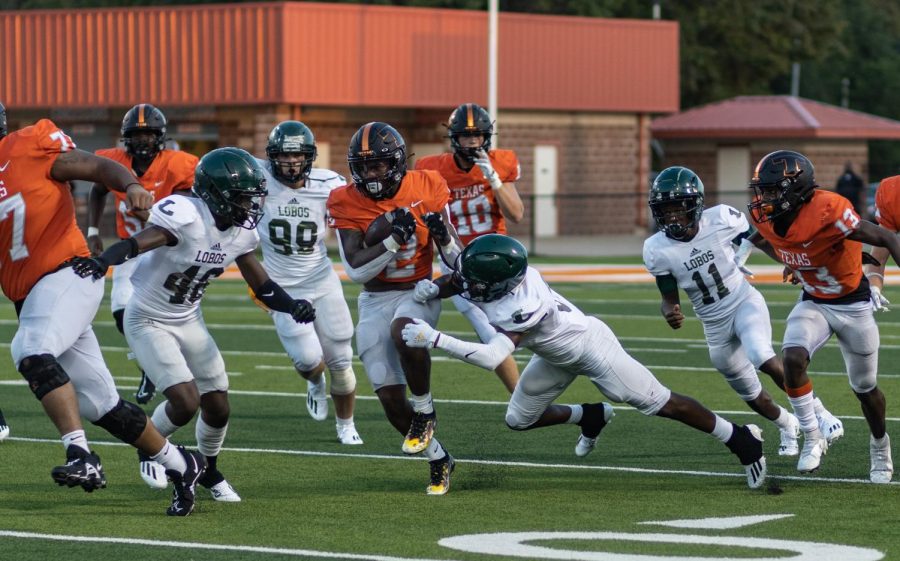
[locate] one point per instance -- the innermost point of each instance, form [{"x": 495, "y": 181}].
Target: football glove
[
  {"x": 483, "y": 161},
  {"x": 420, "y": 335},
  {"x": 436, "y": 227},
  {"x": 85, "y": 267},
  {"x": 425, "y": 290},
  {"x": 879, "y": 302},
  {"x": 403, "y": 225},
  {"x": 302, "y": 311}
]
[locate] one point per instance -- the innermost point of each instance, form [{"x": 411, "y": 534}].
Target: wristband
[
  {"x": 133, "y": 183},
  {"x": 391, "y": 244},
  {"x": 873, "y": 274},
  {"x": 93, "y": 231},
  {"x": 496, "y": 183}
]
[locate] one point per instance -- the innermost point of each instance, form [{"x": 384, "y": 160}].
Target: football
[{"x": 378, "y": 230}]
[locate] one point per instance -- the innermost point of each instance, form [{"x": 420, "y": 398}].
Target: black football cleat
[
  {"x": 82, "y": 469},
  {"x": 184, "y": 494}
]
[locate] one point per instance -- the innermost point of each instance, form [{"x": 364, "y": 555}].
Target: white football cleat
[
  {"x": 224, "y": 492},
  {"x": 832, "y": 428},
  {"x": 882, "y": 465},
  {"x": 4, "y": 428},
  {"x": 348, "y": 435},
  {"x": 789, "y": 436},
  {"x": 317, "y": 400},
  {"x": 814, "y": 447},
  {"x": 153, "y": 474}
]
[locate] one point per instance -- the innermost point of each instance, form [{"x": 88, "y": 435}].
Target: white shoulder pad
[
  {"x": 524, "y": 307},
  {"x": 175, "y": 212},
  {"x": 330, "y": 178},
  {"x": 653, "y": 255},
  {"x": 730, "y": 218}
]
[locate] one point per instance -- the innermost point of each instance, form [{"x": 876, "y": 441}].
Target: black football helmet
[
  {"x": 233, "y": 185},
  {"x": 291, "y": 137},
  {"x": 491, "y": 267},
  {"x": 377, "y": 147},
  {"x": 676, "y": 185},
  {"x": 142, "y": 118},
  {"x": 470, "y": 119},
  {"x": 781, "y": 183},
  {"x": 3, "y": 129}
]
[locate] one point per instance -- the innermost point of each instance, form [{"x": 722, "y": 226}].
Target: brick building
[
  {"x": 575, "y": 94},
  {"x": 723, "y": 141}
]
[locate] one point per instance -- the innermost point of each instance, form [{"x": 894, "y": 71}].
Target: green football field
[{"x": 652, "y": 490}]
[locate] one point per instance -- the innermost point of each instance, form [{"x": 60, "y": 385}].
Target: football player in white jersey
[
  {"x": 188, "y": 242},
  {"x": 695, "y": 251},
  {"x": 493, "y": 272},
  {"x": 292, "y": 233}
]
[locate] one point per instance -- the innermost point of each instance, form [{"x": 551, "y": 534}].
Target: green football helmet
[
  {"x": 677, "y": 184},
  {"x": 291, "y": 137},
  {"x": 491, "y": 267},
  {"x": 232, "y": 184}
]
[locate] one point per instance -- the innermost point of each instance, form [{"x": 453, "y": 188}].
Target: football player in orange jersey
[
  {"x": 887, "y": 213},
  {"x": 162, "y": 172},
  {"x": 54, "y": 348},
  {"x": 483, "y": 196},
  {"x": 4, "y": 426},
  {"x": 415, "y": 205},
  {"x": 817, "y": 235}
]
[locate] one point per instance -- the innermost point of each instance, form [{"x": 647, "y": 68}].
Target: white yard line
[{"x": 205, "y": 546}]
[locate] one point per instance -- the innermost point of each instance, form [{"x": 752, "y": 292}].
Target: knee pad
[
  {"x": 43, "y": 374},
  {"x": 119, "y": 316},
  {"x": 126, "y": 421},
  {"x": 516, "y": 420},
  {"x": 343, "y": 382}
]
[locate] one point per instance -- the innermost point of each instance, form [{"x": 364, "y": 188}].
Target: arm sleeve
[
  {"x": 486, "y": 355},
  {"x": 368, "y": 271}
]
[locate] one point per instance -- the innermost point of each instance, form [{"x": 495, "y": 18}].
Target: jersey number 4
[
  {"x": 186, "y": 287},
  {"x": 721, "y": 290}
]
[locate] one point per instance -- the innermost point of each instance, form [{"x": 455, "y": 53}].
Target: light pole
[{"x": 493, "y": 10}]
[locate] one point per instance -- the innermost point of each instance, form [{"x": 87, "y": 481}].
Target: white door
[
  {"x": 733, "y": 163},
  {"x": 545, "y": 180}
]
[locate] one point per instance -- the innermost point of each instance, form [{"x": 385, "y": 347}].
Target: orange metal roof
[
  {"x": 332, "y": 54},
  {"x": 773, "y": 117}
]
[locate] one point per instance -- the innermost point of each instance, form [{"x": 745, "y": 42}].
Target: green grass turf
[{"x": 304, "y": 491}]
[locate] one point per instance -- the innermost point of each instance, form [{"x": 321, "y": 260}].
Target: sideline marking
[{"x": 210, "y": 546}]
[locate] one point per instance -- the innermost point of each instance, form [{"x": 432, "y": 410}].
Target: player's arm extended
[
  {"x": 148, "y": 239},
  {"x": 80, "y": 165},
  {"x": 763, "y": 244},
  {"x": 270, "y": 292},
  {"x": 879, "y": 237},
  {"x": 362, "y": 264},
  {"x": 876, "y": 272},
  {"x": 486, "y": 355}
]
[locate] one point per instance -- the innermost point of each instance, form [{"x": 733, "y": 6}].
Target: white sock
[
  {"x": 161, "y": 420},
  {"x": 209, "y": 439},
  {"x": 723, "y": 429},
  {"x": 883, "y": 442},
  {"x": 575, "y": 416},
  {"x": 783, "y": 421},
  {"x": 343, "y": 422},
  {"x": 435, "y": 451},
  {"x": 170, "y": 458},
  {"x": 423, "y": 403},
  {"x": 76, "y": 438},
  {"x": 804, "y": 409}
]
